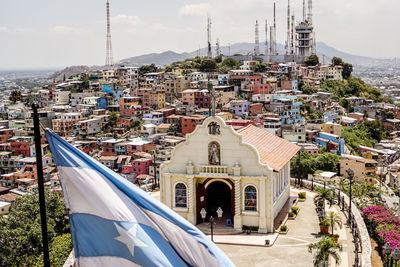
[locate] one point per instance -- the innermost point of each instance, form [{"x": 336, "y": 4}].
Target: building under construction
[
  {"x": 305, "y": 33},
  {"x": 299, "y": 43}
]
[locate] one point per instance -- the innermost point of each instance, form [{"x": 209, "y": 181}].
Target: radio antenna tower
[
  {"x": 257, "y": 41},
  {"x": 109, "y": 56},
  {"x": 266, "y": 38},
  {"x": 310, "y": 11},
  {"x": 217, "y": 49},
  {"x": 288, "y": 30},
  {"x": 292, "y": 52},
  {"x": 209, "y": 52},
  {"x": 304, "y": 10}
]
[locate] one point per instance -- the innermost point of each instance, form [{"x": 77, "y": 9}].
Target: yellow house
[
  {"x": 242, "y": 174},
  {"x": 364, "y": 169},
  {"x": 226, "y": 116},
  {"x": 332, "y": 128}
]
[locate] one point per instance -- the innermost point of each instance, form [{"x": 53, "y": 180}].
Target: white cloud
[
  {"x": 133, "y": 21},
  {"x": 66, "y": 30},
  {"x": 3, "y": 29},
  {"x": 195, "y": 10}
]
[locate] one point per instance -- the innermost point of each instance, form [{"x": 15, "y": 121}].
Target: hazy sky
[{"x": 57, "y": 33}]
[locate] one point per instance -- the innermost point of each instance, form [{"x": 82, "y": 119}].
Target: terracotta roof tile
[{"x": 273, "y": 150}]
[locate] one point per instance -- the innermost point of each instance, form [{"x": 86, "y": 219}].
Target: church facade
[{"x": 245, "y": 174}]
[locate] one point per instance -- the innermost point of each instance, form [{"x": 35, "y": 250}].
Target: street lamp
[
  {"x": 212, "y": 227},
  {"x": 387, "y": 250},
  {"x": 203, "y": 213},
  {"x": 350, "y": 172}
]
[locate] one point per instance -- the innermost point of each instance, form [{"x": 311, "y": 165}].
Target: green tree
[
  {"x": 334, "y": 220},
  {"x": 137, "y": 123},
  {"x": 347, "y": 70},
  {"x": 323, "y": 196},
  {"x": 208, "y": 65},
  {"x": 147, "y": 69},
  {"x": 312, "y": 60},
  {"x": 308, "y": 90},
  {"x": 324, "y": 249},
  {"x": 112, "y": 119},
  {"x": 15, "y": 96},
  {"x": 328, "y": 162},
  {"x": 59, "y": 250},
  {"x": 260, "y": 67},
  {"x": 20, "y": 231},
  {"x": 85, "y": 79},
  {"x": 231, "y": 63},
  {"x": 337, "y": 61}
]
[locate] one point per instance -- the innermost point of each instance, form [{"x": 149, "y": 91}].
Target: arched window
[
  {"x": 250, "y": 198},
  {"x": 180, "y": 196}
]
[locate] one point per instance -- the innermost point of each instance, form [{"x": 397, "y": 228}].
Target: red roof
[{"x": 273, "y": 150}]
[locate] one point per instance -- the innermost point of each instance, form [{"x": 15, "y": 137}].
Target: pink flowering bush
[{"x": 383, "y": 225}]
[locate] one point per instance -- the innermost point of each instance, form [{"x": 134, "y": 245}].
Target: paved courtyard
[
  {"x": 288, "y": 250},
  {"x": 291, "y": 249}
]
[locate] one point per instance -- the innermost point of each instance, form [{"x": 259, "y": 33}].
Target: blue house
[
  {"x": 331, "y": 141},
  {"x": 288, "y": 109}
]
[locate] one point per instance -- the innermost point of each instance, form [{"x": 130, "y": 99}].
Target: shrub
[
  {"x": 383, "y": 225},
  {"x": 324, "y": 222},
  {"x": 283, "y": 228},
  {"x": 291, "y": 214},
  {"x": 302, "y": 195},
  {"x": 295, "y": 210}
]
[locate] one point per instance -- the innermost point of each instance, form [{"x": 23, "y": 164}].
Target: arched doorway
[{"x": 218, "y": 194}]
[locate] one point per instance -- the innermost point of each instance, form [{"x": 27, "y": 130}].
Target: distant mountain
[{"x": 324, "y": 51}]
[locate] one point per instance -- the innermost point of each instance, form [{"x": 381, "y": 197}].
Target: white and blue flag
[{"x": 114, "y": 223}]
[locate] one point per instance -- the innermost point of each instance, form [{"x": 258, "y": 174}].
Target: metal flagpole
[{"x": 39, "y": 169}]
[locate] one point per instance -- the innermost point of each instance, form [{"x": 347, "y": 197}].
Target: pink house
[{"x": 138, "y": 166}]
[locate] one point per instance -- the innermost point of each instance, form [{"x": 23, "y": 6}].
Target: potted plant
[
  {"x": 295, "y": 210},
  {"x": 334, "y": 220},
  {"x": 284, "y": 229},
  {"x": 323, "y": 250},
  {"x": 324, "y": 226},
  {"x": 302, "y": 196},
  {"x": 291, "y": 215},
  {"x": 335, "y": 237}
]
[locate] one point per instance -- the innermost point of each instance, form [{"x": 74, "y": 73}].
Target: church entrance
[
  {"x": 218, "y": 194},
  {"x": 210, "y": 195}
]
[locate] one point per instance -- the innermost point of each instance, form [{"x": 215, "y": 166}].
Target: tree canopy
[
  {"x": 20, "y": 231},
  {"x": 364, "y": 134},
  {"x": 15, "y": 96},
  {"x": 353, "y": 87},
  {"x": 337, "y": 61},
  {"x": 147, "y": 69},
  {"x": 208, "y": 65},
  {"x": 312, "y": 60},
  {"x": 260, "y": 67},
  {"x": 309, "y": 164}
]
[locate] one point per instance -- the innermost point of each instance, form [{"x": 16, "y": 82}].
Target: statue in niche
[
  {"x": 213, "y": 128},
  {"x": 214, "y": 157}
]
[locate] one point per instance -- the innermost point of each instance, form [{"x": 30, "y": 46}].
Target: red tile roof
[{"x": 273, "y": 150}]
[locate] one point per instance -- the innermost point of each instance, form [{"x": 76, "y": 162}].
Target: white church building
[{"x": 245, "y": 173}]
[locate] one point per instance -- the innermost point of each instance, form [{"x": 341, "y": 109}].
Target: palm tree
[
  {"x": 324, "y": 249},
  {"x": 334, "y": 219},
  {"x": 323, "y": 196}
]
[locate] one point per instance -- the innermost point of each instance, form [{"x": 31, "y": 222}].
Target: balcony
[{"x": 213, "y": 170}]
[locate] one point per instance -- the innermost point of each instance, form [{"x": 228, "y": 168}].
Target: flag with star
[{"x": 114, "y": 223}]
